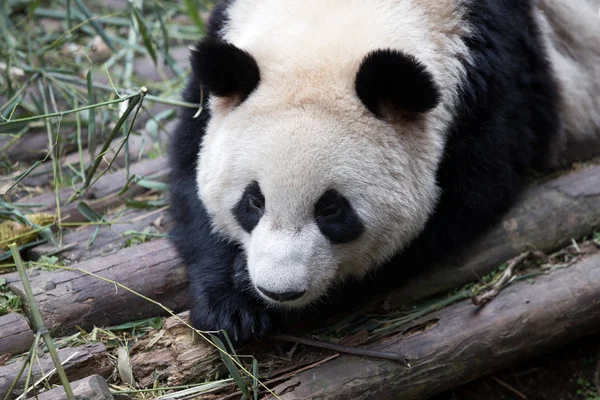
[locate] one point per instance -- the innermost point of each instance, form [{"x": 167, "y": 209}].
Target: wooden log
[
  {"x": 43, "y": 175},
  {"x": 83, "y": 361},
  {"x": 103, "y": 195},
  {"x": 109, "y": 238},
  {"x": 178, "y": 356},
  {"x": 90, "y": 388},
  {"x": 16, "y": 336},
  {"x": 463, "y": 342},
  {"x": 70, "y": 298},
  {"x": 548, "y": 216},
  {"x": 30, "y": 147}
]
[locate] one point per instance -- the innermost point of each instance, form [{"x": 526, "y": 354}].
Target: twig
[
  {"x": 597, "y": 374},
  {"x": 507, "y": 276},
  {"x": 74, "y": 110},
  {"x": 38, "y": 322},
  {"x": 507, "y": 386},
  {"x": 345, "y": 349}
]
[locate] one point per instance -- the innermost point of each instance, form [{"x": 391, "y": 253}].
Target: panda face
[{"x": 314, "y": 194}]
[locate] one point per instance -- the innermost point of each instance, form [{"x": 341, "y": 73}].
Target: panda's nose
[{"x": 285, "y": 296}]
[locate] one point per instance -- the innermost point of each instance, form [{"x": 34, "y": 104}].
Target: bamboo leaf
[
  {"x": 192, "y": 9},
  {"x": 95, "y": 25},
  {"x": 145, "y": 35},
  {"x": 233, "y": 371},
  {"x": 91, "y": 117},
  {"x": 153, "y": 185},
  {"x": 85, "y": 210}
]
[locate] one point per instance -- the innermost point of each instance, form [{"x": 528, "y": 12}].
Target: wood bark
[
  {"x": 90, "y": 388},
  {"x": 177, "y": 358},
  {"x": 110, "y": 238},
  {"x": 69, "y": 298},
  {"x": 463, "y": 342},
  {"x": 89, "y": 359},
  {"x": 103, "y": 195},
  {"x": 16, "y": 336},
  {"x": 548, "y": 216}
]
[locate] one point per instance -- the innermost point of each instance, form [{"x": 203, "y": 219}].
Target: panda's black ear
[
  {"x": 390, "y": 78},
  {"x": 224, "y": 69}
]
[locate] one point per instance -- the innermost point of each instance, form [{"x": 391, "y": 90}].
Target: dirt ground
[{"x": 565, "y": 374}]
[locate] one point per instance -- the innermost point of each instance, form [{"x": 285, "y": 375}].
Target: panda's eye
[
  {"x": 256, "y": 203},
  {"x": 328, "y": 211}
]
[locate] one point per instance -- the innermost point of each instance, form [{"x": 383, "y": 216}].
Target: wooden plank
[
  {"x": 83, "y": 361},
  {"x": 16, "y": 336},
  {"x": 464, "y": 342},
  {"x": 70, "y": 298}
]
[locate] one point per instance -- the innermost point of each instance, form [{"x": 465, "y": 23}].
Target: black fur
[
  {"x": 507, "y": 116},
  {"x": 336, "y": 218},
  {"x": 398, "y": 78},
  {"x": 224, "y": 69},
  {"x": 250, "y": 208}
]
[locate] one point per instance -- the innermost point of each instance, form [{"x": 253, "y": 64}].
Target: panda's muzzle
[{"x": 285, "y": 296}]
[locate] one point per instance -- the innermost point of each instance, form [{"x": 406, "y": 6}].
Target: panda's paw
[{"x": 237, "y": 313}]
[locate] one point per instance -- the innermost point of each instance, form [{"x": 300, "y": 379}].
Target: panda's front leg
[{"x": 221, "y": 295}]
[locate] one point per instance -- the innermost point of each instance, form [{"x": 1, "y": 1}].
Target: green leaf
[
  {"x": 88, "y": 213},
  {"x": 153, "y": 185},
  {"x": 231, "y": 367},
  {"x": 145, "y": 35},
  {"x": 154, "y": 323},
  {"x": 192, "y": 9},
  {"x": 163, "y": 28},
  {"x": 94, "y": 24},
  {"x": 91, "y": 117},
  {"x": 131, "y": 203}
]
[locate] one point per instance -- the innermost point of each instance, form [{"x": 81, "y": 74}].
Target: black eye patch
[
  {"x": 250, "y": 208},
  {"x": 336, "y": 218}
]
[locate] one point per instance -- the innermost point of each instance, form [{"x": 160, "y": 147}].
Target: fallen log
[
  {"x": 43, "y": 175},
  {"x": 16, "y": 336},
  {"x": 177, "y": 358},
  {"x": 93, "y": 387},
  {"x": 109, "y": 238},
  {"x": 70, "y": 298},
  {"x": 463, "y": 342},
  {"x": 83, "y": 361},
  {"x": 548, "y": 216},
  {"x": 103, "y": 195}
]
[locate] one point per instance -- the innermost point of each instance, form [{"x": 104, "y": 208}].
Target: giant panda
[{"x": 347, "y": 142}]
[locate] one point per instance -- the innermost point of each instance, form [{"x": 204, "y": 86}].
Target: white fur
[
  {"x": 571, "y": 30},
  {"x": 304, "y": 131}
]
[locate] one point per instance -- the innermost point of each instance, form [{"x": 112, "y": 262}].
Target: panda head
[{"x": 320, "y": 170}]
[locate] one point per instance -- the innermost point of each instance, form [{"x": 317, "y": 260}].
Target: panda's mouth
[{"x": 281, "y": 296}]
